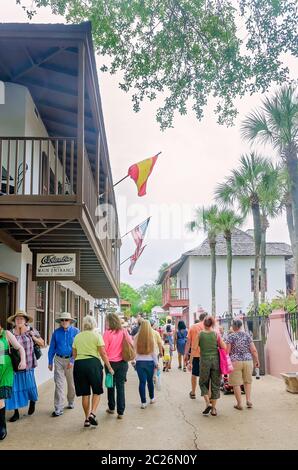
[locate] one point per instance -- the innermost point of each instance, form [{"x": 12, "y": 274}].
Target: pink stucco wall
[{"x": 280, "y": 354}]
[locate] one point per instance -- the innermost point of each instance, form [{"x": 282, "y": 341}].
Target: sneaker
[
  {"x": 152, "y": 401},
  {"x": 120, "y": 416},
  {"x": 55, "y": 414},
  {"x": 70, "y": 406},
  {"x": 143, "y": 406},
  {"x": 110, "y": 412}
]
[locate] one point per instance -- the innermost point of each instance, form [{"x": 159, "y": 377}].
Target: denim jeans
[
  {"x": 145, "y": 370},
  {"x": 120, "y": 370}
]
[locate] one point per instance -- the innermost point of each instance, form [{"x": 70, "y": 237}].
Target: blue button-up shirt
[{"x": 61, "y": 342}]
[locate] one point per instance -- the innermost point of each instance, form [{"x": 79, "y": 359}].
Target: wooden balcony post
[
  {"x": 97, "y": 168},
  {"x": 106, "y": 199},
  {"x": 81, "y": 123}
]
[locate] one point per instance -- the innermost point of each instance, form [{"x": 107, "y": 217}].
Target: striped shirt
[{"x": 27, "y": 342}]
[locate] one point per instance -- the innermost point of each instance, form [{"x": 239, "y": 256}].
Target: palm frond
[
  {"x": 205, "y": 220},
  {"x": 276, "y": 121},
  {"x": 228, "y": 220},
  {"x": 255, "y": 127}
]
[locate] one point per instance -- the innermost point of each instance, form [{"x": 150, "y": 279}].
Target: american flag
[
  {"x": 134, "y": 258},
  {"x": 138, "y": 233}
]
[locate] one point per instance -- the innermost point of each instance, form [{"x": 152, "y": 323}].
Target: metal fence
[
  {"x": 292, "y": 326},
  {"x": 256, "y": 326}
]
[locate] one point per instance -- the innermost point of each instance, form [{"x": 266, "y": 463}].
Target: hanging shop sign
[
  {"x": 176, "y": 311},
  {"x": 56, "y": 265}
]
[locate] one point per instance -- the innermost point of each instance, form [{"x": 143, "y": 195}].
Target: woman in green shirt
[
  {"x": 7, "y": 339},
  {"x": 208, "y": 341},
  {"x": 88, "y": 348}
]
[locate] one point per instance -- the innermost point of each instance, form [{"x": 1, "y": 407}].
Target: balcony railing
[
  {"x": 37, "y": 166},
  {"x": 89, "y": 191},
  {"x": 47, "y": 166},
  {"x": 173, "y": 295}
]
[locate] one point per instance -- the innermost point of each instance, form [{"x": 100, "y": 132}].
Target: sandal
[
  {"x": 207, "y": 410},
  {"x": 213, "y": 412},
  {"x": 238, "y": 407},
  {"x": 192, "y": 395},
  {"x": 184, "y": 369},
  {"x": 249, "y": 404},
  {"x": 92, "y": 419},
  {"x": 87, "y": 423}
]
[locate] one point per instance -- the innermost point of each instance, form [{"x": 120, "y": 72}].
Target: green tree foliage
[
  {"x": 188, "y": 50},
  {"x": 151, "y": 295},
  {"x": 276, "y": 122},
  {"x": 282, "y": 301},
  {"x": 131, "y": 295},
  {"x": 142, "y": 299}
]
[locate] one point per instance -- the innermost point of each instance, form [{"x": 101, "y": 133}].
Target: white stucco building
[{"x": 187, "y": 281}]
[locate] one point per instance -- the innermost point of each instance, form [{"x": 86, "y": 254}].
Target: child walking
[{"x": 166, "y": 355}]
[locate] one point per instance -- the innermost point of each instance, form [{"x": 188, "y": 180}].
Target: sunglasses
[{"x": 64, "y": 320}]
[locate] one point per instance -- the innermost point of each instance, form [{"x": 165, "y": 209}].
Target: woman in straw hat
[
  {"x": 7, "y": 339},
  {"x": 24, "y": 386}
]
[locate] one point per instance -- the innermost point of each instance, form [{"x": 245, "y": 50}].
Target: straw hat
[
  {"x": 20, "y": 313},
  {"x": 65, "y": 316}
]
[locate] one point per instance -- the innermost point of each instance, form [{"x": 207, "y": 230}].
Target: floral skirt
[{"x": 24, "y": 390}]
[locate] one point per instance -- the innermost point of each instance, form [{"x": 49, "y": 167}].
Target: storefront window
[
  {"x": 40, "y": 307},
  {"x": 77, "y": 310},
  {"x": 63, "y": 300}
]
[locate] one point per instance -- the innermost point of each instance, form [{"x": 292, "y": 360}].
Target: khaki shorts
[{"x": 242, "y": 373}]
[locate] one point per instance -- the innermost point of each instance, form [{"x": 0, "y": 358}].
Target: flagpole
[
  {"x": 125, "y": 260},
  {"x": 135, "y": 227},
  {"x": 122, "y": 179}
]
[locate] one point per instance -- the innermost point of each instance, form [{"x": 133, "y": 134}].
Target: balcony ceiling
[
  {"x": 44, "y": 58},
  {"x": 93, "y": 278}
]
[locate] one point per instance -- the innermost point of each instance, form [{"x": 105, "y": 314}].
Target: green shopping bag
[{"x": 109, "y": 382}]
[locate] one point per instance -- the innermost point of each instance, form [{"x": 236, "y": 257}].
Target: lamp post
[{"x": 101, "y": 307}]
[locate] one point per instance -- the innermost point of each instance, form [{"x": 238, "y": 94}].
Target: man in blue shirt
[{"x": 60, "y": 353}]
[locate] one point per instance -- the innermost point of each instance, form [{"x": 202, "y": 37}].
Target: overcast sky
[{"x": 195, "y": 157}]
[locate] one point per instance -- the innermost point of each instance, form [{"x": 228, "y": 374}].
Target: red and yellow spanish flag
[{"x": 140, "y": 173}]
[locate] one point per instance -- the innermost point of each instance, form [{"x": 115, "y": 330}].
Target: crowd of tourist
[{"x": 77, "y": 358}]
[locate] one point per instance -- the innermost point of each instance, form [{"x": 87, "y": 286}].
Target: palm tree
[
  {"x": 206, "y": 220},
  {"x": 277, "y": 123},
  {"x": 286, "y": 203},
  {"x": 227, "y": 221},
  {"x": 270, "y": 194},
  {"x": 243, "y": 187}
]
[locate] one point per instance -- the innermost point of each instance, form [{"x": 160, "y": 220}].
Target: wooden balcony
[
  {"x": 50, "y": 185},
  {"x": 44, "y": 204},
  {"x": 175, "y": 297}
]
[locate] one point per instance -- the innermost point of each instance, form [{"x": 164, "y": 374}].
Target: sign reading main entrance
[{"x": 56, "y": 265}]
